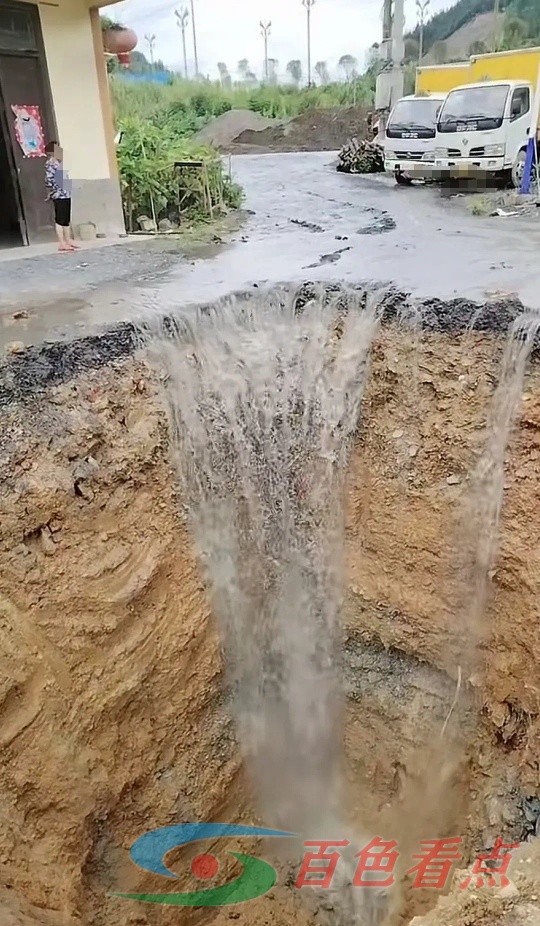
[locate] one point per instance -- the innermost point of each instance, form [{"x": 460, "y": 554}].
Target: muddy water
[
  {"x": 306, "y": 221},
  {"x": 482, "y": 510},
  {"x": 263, "y": 400}
]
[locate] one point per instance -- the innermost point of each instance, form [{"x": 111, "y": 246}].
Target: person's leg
[
  {"x": 60, "y": 226},
  {"x": 72, "y": 245},
  {"x": 60, "y": 236}
]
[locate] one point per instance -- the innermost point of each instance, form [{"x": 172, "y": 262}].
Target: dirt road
[{"x": 306, "y": 222}]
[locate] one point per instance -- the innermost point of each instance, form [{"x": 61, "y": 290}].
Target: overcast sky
[{"x": 228, "y": 30}]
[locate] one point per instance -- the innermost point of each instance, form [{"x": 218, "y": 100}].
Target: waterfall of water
[
  {"x": 264, "y": 396},
  {"x": 482, "y": 510}
]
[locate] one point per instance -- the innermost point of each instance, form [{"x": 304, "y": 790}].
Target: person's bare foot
[
  {"x": 74, "y": 247},
  {"x": 64, "y": 247}
]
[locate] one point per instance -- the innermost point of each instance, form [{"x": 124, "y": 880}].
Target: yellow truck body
[
  {"x": 442, "y": 78},
  {"x": 521, "y": 64}
]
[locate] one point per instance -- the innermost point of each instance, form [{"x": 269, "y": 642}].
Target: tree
[
  {"x": 138, "y": 63},
  {"x": 108, "y": 23},
  {"x": 243, "y": 68},
  {"x": 321, "y": 69},
  {"x": 273, "y": 65},
  {"x": 411, "y": 49},
  {"x": 373, "y": 59},
  {"x": 478, "y": 48},
  {"x": 348, "y": 64},
  {"x": 515, "y": 33},
  {"x": 438, "y": 52},
  {"x": 529, "y": 12},
  {"x": 224, "y": 76},
  {"x": 294, "y": 68}
]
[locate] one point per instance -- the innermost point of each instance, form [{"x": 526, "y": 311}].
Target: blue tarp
[{"x": 149, "y": 77}]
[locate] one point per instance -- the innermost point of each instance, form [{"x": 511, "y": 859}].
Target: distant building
[{"x": 53, "y": 85}]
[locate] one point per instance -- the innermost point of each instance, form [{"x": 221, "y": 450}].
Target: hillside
[
  {"x": 467, "y": 39},
  {"x": 450, "y": 34}
]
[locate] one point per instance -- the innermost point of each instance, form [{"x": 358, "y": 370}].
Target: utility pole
[
  {"x": 495, "y": 35},
  {"x": 151, "y": 39},
  {"x": 390, "y": 78},
  {"x": 182, "y": 17},
  {"x": 194, "y": 40},
  {"x": 309, "y": 4},
  {"x": 422, "y": 8},
  {"x": 265, "y": 32}
]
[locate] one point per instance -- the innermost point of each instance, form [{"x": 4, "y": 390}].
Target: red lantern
[
  {"x": 124, "y": 58},
  {"x": 119, "y": 41}
]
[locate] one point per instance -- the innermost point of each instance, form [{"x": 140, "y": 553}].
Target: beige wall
[{"x": 71, "y": 62}]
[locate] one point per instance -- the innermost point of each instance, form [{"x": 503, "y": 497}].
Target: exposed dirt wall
[
  {"x": 423, "y": 429},
  {"x": 113, "y": 713}
]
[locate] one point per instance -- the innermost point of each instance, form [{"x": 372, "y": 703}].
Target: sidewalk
[{"x": 51, "y": 248}]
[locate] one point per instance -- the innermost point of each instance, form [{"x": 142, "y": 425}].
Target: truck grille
[
  {"x": 409, "y": 155},
  {"x": 473, "y": 153}
]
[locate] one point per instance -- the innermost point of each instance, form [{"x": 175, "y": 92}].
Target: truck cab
[
  {"x": 483, "y": 129},
  {"x": 409, "y": 142}
]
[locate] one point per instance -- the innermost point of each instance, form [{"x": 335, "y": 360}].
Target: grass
[
  {"x": 198, "y": 102},
  {"x": 159, "y": 122}
]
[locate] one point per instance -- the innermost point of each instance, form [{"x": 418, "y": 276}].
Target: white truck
[
  {"x": 409, "y": 141},
  {"x": 483, "y": 130}
]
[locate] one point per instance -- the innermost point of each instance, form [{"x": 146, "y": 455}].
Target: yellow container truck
[
  {"x": 442, "y": 78},
  {"x": 520, "y": 65},
  {"x": 484, "y": 123}
]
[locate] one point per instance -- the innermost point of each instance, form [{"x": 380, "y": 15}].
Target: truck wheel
[
  {"x": 402, "y": 179},
  {"x": 518, "y": 170}
]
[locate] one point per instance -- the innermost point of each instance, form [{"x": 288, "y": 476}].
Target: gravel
[{"x": 222, "y": 131}]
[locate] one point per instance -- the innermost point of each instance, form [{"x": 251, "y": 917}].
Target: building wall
[{"x": 82, "y": 113}]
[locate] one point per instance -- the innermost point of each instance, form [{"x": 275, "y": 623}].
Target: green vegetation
[
  {"x": 153, "y": 186},
  {"x": 521, "y": 24},
  {"x": 158, "y": 122},
  {"x": 193, "y": 104}
]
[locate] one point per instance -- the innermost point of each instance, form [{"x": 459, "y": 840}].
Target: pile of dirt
[
  {"x": 222, "y": 131},
  {"x": 315, "y": 130}
]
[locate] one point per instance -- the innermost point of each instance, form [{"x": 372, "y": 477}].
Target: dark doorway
[
  {"x": 25, "y": 106},
  {"x": 10, "y": 215},
  {"x": 20, "y": 80}
]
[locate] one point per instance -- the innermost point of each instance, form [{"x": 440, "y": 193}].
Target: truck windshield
[
  {"x": 414, "y": 119},
  {"x": 473, "y": 108}
]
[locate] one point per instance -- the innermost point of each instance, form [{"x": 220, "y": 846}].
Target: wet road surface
[{"x": 306, "y": 222}]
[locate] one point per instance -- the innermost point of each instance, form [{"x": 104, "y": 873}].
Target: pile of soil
[
  {"x": 222, "y": 131},
  {"x": 315, "y": 130}
]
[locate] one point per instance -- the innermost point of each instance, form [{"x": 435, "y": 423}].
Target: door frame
[
  {"x": 32, "y": 10},
  {"x": 4, "y": 129}
]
